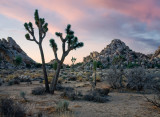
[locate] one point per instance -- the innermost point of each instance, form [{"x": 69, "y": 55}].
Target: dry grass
[{"x": 77, "y": 106}]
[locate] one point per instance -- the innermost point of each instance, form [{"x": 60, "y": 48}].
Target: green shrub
[
  {"x": 18, "y": 60},
  {"x": 62, "y": 106},
  {"x": 23, "y": 95}
]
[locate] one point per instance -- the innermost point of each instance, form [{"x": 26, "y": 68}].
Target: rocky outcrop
[
  {"x": 92, "y": 56},
  {"x": 119, "y": 54},
  {"x": 9, "y": 50},
  {"x": 156, "y": 54}
]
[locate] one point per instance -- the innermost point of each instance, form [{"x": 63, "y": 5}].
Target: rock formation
[
  {"x": 156, "y": 54},
  {"x": 9, "y": 50},
  {"x": 118, "y": 53}
]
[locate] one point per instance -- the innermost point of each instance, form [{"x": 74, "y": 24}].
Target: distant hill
[
  {"x": 118, "y": 53},
  {"x": 9, "y": 50}
]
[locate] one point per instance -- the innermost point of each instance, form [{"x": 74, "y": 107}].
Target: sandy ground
[{"x": 120, "y": 104}]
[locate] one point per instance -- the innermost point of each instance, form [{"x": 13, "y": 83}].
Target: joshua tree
[
  {"x": 72, "y": 43},
  {"x": 55, "y": 65},
  {"x": 43, "y": 28},
  {"x": 73, "y": 61},
  {"x": 95, "y": 68}
]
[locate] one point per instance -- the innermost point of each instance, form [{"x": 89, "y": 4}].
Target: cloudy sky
[{"x": 95, "y": 22}]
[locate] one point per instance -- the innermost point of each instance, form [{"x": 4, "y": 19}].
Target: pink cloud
[
  {"x": 144, "y": 10},
  {"x": 68, "y": 9}
]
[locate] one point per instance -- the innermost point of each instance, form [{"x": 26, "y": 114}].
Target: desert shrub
[
  {"x": 156, "y": 99},
  {"x": 10, "y": 77},
  {"x": 38, "y": 65},
  {"x": 61, "y": 88},
  {"x": 100, "y": 65},
  {"x": 18, "y": 60},
  {"x": 80, "y": 78},
  {"x": 115, "y": 78},
  {"x": 1, "y": 82},
  {"x": 132, "y": 65},
  {"x": 88, "y": 97},
  {"x": 95, "y": 97},
  {"x": 98, "y": 77},
  {"x": 28, "y": 66},
  {"x": 136, "y": 79},
  {"x": 16, "y": 80},
  {"x": 153, "y": 84},
  {"x": 23, "y": 95},
  {"x": 40, "y": 81},
  {"x": 102, "y": 92},
  {"x": 38, "y": 91},
  {"x": 9, "y": 108},
  {"x": 72, "y": 78},
  {"x": 100, "y": 99},
  {"x": 11, "y": 82},
  {"x": 69, "y": 95},
  {"x": 62, "y": 106},
  {"x": 60, "y": 80}
]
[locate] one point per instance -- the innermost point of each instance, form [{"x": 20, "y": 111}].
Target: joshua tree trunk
[
  {"x": 54, "y": 82},
  {"x": 95, "y": 78},
  {"x": 44, "y": 68}
]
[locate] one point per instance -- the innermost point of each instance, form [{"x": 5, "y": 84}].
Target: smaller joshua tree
[
  {"x": 43, "y": 28},
  {"x": 94, "y": 69},
  {"x": 72, "y": 43},
  {"x": 55, "y": 65},
  {"x": 73, "y": 61}
]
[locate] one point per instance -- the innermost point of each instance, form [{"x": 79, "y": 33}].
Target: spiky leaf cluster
[
  {"x": 71, "y": 39},
  {"x": 42, "y": 26},
  {"x": 73, "y": 59},
  {"x": 53, "y": 44},
  {"x": 40, "y": 22},
  {"x": 27, "y": 36},
  {"x": 29, "y": 27}
]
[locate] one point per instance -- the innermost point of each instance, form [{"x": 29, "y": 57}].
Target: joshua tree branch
[
  {"x": 55, "y": 54},
  {"x": 44, "y": 35}
]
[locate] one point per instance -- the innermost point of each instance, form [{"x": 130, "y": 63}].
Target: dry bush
[
  {"x": 80, "y": 78},
  {"x": 38, "y": 91},
  {"x": 10, "y": 77},
  {"x": 115, "y": 78},
  {"x": 137, "y": 79},
  {"x": 154, "y": 85},
  {"x": 95, "y": 98},
  {"x": 9, "y": 108}
]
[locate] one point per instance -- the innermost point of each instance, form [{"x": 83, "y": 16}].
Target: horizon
[{"x": 95, "y": 23}]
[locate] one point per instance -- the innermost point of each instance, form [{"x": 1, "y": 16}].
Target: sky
[{"x": 95, "y": 22}]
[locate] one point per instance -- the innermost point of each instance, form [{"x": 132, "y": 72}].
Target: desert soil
[{"x": 119, "y": 104}]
